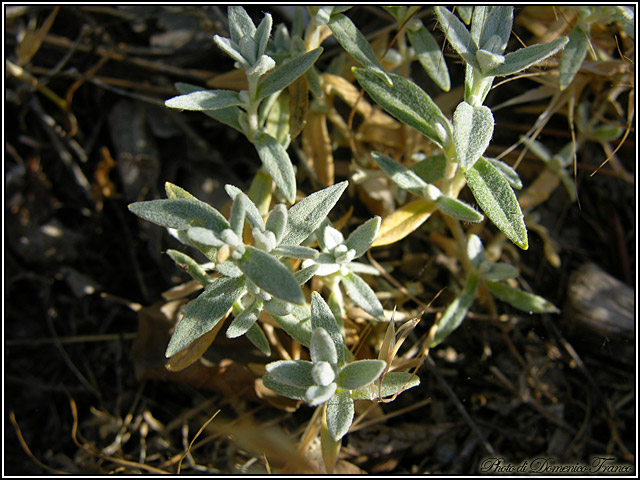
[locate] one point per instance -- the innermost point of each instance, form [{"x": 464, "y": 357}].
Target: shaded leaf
[
  {"x": 573, "y": 56},
  {"x": 457, "y": 310},
  {"x": 289, "y": 391},
  {"x": 401, "y": 176},
  {"x": 296, "y": 373},
  {"x": 392, "y": 383},
  {"x": 360, "y": 374},
  {"x": 429, "y": 55},
  {"x": 457, "y": 35},
  {"x": 527, "y": 302},
  {"x": 285, "y": 74},
  {"x": 323, "y": 318}
]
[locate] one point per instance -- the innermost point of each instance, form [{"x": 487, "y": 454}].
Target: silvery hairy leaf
[
  {"x": 458, "y": 209},
  {"x": 527, "y": 302},
  {"x": 277, "y": 221},
  {"x": 289, "y": 391},
  {"x": 407, "y": 102},
  {"x": 284, "y": 75},
  {"x": 240, "y": 24},
  {"x": 295, "y": 251},
  {"x": 498, "y": 271},
  {"x": 319, "y": 394},
  {"x": 429, "y": 54},
  {"x": 472, "y": 132},
  {"x": 205, "y": 100},
  {"x": 507, "y": 172},
  {"x": 306, "y": 215},
  {"x": 457, "y": 35},
  {"x": 573, "y": 55},
  {"x": 519, "y": 60},
  {"x": 262, "y": 34},
  {"x": 237, "y": 215},
  {"x": 360, "y": 374},
  {"x": 497, "y": 199},
  {"x": 339, "y": 414},
  {"x": 391, "y": 384},
  {"x": 277, "y": 307},
  {"x": 361, "y": 293},
  {"x": 475, "y": 250},
  {"x": 251, "y": 210},
  {"x": 457, "y": 310},
  {"x": 402, "y": 176},
  {"x": 322, "y": 348},
  {"x": 362, "y": 237},
  {"x": 244, "y": 321},
  {"x": 303, "y": 275},
  {"x": 277, "y": 162},
  {"x": 180, "y": 213},
  {"x": 195, "y": 270},
  {"x": 258, "y": 338},
  {"x": 353, "y": 41},
  {"x": 269, "y": 274},
  {"x": 230, "y": 116},
  {"x": 322, "y": 318},
  {"x": 296, "y": 373},
  {"x": 202, "y": 314},
  {"x": 491, "y": 27}
]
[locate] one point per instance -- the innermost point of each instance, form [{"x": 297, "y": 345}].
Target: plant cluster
[{"x": 264, "y": 271}]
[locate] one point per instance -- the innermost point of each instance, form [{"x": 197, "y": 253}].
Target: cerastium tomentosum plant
[{"x": 265, "y": 269}]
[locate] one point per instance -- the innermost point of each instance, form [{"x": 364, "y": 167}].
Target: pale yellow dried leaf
[
  {"x": 298, "y": 105},
  {"x": 403, "y": 221},
  {"x": 316, "y": 144}
]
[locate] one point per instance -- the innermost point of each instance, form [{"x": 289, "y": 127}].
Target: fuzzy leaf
[
  {"x": 507, "y": 172},
  {"x": 499, "y": 271},
  {"x": 429, "y": 55},
  {"x": 457, "y": 310},
  {"x": 195, "y": 270},
  {"x": 407, "y": 102},
  {"x": 496, "y": 22},
  {"x": 340, "y": 412},
  {"x": 527, "y": 302},
  {"x": 269, "y": 274},
  {"x": 295, "y": 251},
  {"x": 284, "y": 75},
  {"x": 277, "y": 162},
  {"x": 205, "y": 100},
  {"x": 496, "y": 197},
  {"x": 431, "y": 169},
  {"x": 573, "y": 56},
  {"x": 360, "y": 374},
  {"x": 318, "y": 394},
  {"x": 243, "y": 322},
  {"x": 251, "y": 210},
  {"x": 403, "y": 221},
  {"x": 277, "y": 221},
  {"x": 361, "y": 293},
  {"x": 229, "y": 115},
  {"x": 458, "y": 35},
  {"x": 306, "y": 215},
  {"x": 322, "y": 318},
  {"x": 289, "y": 391},
  {"x": 356, "y": 45},
  {"x": 519, "y": 60},
  {"x": 322, "y": 348},
  {"x": 240, "y": 24},
  {"x": 362, "y": 237},
  {"x": 458, "y": 209},
  {"x": 296, "y": 373},
  {"x": 303, "y": 275},
  {"x": 258, "y": 338},
  {"x": 202, "y": 314},
  {"x": 262, "y": 34},
  {"x": 296, "y": 325},
  {"x": 392, "y": 383},
  {"x": 180, "y": 213},
  {"x": 472, "y": 132},
  {"x": 402, "y": 176}
]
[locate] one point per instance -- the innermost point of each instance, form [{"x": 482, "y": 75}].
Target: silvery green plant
[
  {"x": 248, "y": 110},
  {"x": 464, "y": 140},
  {"x": 252, "y": 277},
  {"x": 336, "y": 265},
  {"x": 329, "y": 378}
]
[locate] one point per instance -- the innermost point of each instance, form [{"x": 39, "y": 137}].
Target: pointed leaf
[
  {"x": 306, "y": 215},
  {"x": 296, "y": 373},
  {"x": 573, "y": 56},
  {"x": 401, "y": 176},
  {"x": 277, "y": 162},
  {"x": 360, "y": 374},
  {"x": 289, "y": 391},
  {"x": 362, "y": 237},
  {"x": 527, "y": 302},
  {"x": 297, "y": 328},
  {"x": 195, "y": 270},
  {"x": 285, "y": 74},
  {"x": 519, "y": 60},
  {"x": 251, "y": 210},
  {"x": 322, "y": 348},
  {"x": 202, "y": 314},
  {"x": 340, "y": 412},
  {"x": 205, "y": 100},
  {"x": 457, "y": 35},
  {"x": 392, "y": 383},
  {"x": 458, "y": 209},
  {"x": 303, "y": 275},
  {"x": 240, "y": 23},
  {"x": 431, "y": 169},
  {"x": 507, "y": 172},
  {"x": 495, "y": 21},
  {"x": 270, "y": 275},
  {"x": 472, "y": 132},
  {"x": 457, "y": 310},
  {"x": 353, "y": 41},
  {"x": 429, "y": 54},
  {"x": 408, "y": 103},
  {"x": 403, "y": 221},
  {"x": 498, "y": 271},
  {"x": 229, "y": 115},
  {"x": 295, "y": 251},
  {"x": 244, "y": 321},
  {"x": 180, "y": 213},
  {"x": 277, "y": 221},
  {"x": 496, "y": 197},
  {"x": 258, "y": 338},
  {"x": 322, "y": 318},
  {"x": 361, "y": 293}
]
